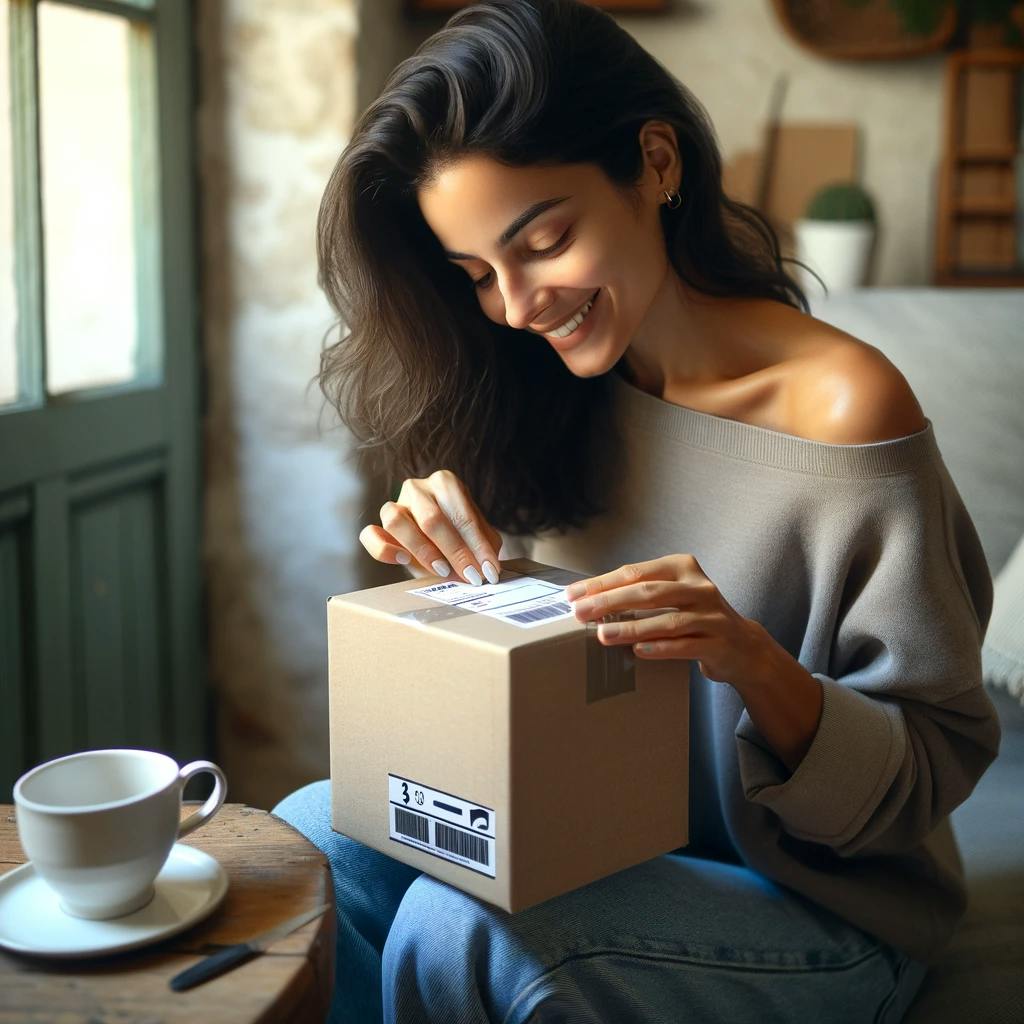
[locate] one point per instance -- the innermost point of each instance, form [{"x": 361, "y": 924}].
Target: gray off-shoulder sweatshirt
[{"x": 863, "y": 563}]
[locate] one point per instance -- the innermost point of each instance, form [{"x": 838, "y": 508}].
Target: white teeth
[{"x": 570, "y": 325}]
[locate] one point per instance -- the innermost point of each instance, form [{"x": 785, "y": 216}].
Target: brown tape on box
[{"x": 610, "y": 669}]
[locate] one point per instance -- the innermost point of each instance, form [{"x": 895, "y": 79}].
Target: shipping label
[
  {"x": 523, "y": 601},
  {"x": 441, "y": 824}
]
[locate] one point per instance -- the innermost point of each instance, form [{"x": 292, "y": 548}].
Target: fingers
[
  {"x": 648, "y": 594},
  {"x": 492, "y": 548},
  {"x": 670, "y": 567},
  {"x": 400, "y": 532},
  {"x": 447, "y": 516},
  {"x": 674, "y": 625},
  {"x": 383, "y": 547},
  {"x": 685, "y": 648},
  {"x": 606, "y": 581},
  {"x": 438, "y": 524}
]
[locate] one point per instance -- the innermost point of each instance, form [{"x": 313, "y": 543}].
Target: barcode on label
[
  {"x": 462, "y": 843},
  {"x": 443, "y": 824},
  {"x": 559, "y": 608},
  {"x": 412, "y": 825}
]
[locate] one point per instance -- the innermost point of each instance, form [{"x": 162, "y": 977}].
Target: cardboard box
[{"x": 486, "y": 737}]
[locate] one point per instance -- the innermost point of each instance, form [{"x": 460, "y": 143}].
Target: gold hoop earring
[{"x": 673, "y": 195}]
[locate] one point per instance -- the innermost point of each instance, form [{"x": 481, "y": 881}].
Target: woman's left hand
[{"x": 697, "y": 624}]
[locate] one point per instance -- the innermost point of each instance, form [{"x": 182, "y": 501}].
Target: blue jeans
[{"x": 674, "y": 939}]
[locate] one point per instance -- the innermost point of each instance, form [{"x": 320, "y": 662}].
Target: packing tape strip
[
  {"x": 436, "y": 613},
  {"x": 610, "y": 668}
]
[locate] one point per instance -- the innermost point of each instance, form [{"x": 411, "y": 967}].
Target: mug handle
[{"x": 213, "y": 801}]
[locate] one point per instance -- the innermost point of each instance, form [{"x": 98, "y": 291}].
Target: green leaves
[{"x": 841, "y": 201}]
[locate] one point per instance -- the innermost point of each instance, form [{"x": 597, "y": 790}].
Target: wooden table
[{"x": 273, "y": 873}]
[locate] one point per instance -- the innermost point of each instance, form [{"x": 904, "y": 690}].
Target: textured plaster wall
[
  {"x": 281, "y": 82},
  {"x": 277, "y": 84}
]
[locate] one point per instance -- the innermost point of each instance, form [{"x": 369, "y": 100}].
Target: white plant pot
[{"x": 838, "y": 251}]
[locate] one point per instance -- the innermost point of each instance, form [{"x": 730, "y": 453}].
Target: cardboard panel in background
[{"x": 802, "y": 158}]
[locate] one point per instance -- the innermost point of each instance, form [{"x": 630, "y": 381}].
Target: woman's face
[{"x": 539, "y": 243}]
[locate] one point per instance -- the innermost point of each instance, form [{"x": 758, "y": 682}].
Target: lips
[
  {"x": 561, "y": 323},
  {"x": 582, "y": 331}
]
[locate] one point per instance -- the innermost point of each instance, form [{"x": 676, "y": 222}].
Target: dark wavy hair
[{"x": 422, "y": 378}]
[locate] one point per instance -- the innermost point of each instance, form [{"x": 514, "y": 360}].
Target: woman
[{"x": 560, "y": 329}]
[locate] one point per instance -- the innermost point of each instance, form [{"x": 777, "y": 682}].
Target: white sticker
[
  {"x": 441, "y": 824},
  {"x": 523, "y": 601}
]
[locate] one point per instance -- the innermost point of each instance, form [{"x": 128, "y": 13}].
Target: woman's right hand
[{"x": 436, "y": 524}]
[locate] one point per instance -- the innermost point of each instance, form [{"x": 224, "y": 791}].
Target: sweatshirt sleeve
[{"x": 906, "y": 727}]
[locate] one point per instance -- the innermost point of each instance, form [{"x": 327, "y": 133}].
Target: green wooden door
[{"x": 99, "y": 419}]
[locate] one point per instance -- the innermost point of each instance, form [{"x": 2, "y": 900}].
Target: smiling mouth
[{"x": 569, "y": 325}]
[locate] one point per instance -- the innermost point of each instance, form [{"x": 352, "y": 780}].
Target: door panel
[
  {"x": 99, "y": 485},
  {"x": 14, "y": 626},
  {"x": 118, "y": 639}
]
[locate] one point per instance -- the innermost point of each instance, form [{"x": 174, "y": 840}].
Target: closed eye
[
  {"x": 551, "y": 248},
  {"x": 483, "y": 283}
]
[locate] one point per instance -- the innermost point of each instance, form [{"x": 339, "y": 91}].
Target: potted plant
[{"x": 836, "y": 235}]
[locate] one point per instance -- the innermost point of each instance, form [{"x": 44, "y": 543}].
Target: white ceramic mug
[{"x": 99, "y": 825}]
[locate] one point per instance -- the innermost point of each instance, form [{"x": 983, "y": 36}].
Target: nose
[{"x": 524, "y": 301}]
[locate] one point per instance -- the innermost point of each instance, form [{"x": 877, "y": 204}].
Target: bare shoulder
[{"x": 848, "y": 392}]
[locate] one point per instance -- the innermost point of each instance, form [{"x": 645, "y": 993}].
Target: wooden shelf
[
  {"x": 986, "y": 154},
  {"x": 976, "y": 238},
  {"x": 979, "y": 279},
  {"x": 985, "y": 207}
]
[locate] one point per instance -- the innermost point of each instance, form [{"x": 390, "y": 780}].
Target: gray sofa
[{"x": 962, "y": 350}]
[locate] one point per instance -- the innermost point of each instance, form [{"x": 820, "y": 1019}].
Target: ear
[{"x": 663, "y": 168}]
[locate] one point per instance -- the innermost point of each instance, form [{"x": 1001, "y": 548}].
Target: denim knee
[
  {"x": 450, "y": 956},
  {"x": 308, "y": 810},
  {"x": 453, "y": 957},
  {"x": 368, "y": 888},
  {"x": 443, "y": 958}
]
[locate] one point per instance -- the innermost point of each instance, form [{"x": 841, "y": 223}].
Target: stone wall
[{"x": 277, "y": 82}]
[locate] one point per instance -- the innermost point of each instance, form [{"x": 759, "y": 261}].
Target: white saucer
[{"x": 190, "y": 885}]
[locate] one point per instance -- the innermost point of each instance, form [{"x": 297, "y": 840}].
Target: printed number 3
[{"x": 405, "y": 791}]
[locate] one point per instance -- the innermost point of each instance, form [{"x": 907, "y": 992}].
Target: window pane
[
  {"x": 8, "y": 300},
  {"x": 87, "y": 198}
]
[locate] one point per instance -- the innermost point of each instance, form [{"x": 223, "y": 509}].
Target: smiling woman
[
  {"x": 557, "y": 324},
  {"x": 526, "y": 157}
]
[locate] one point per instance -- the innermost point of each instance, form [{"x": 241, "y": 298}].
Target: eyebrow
[{"x": 515, "y": 227}]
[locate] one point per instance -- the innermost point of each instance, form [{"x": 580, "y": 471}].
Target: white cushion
[{"x": 1002, "y": 655}]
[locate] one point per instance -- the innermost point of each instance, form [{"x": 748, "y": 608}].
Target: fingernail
[
  {"x": 473, "y": 576},
  {"x": 574, "y": 591},
  {"x": 608, "y": 631},
  {"x": 403, "y": 558},
  {"x": 490, "y": 572},
  {"x": 441, "y": 567}
]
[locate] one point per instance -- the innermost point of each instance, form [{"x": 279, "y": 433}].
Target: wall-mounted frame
[{"x": 866, "y": 30}]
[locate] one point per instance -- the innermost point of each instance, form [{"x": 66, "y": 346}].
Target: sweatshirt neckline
[{"x": 753, "y": 443}]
